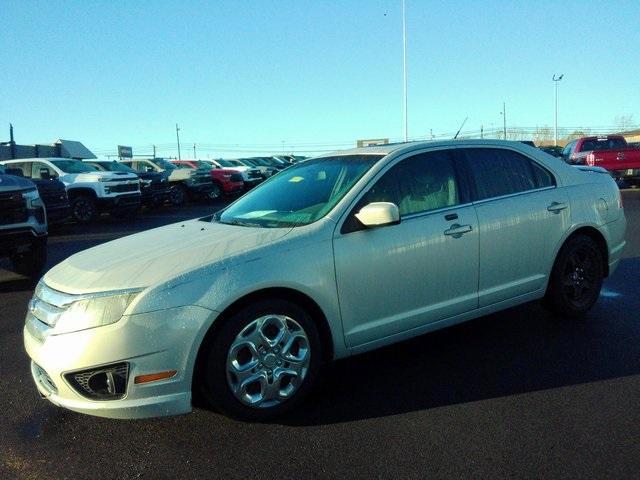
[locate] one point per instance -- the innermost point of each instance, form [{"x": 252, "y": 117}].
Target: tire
[
  {"x": 32, "y": 262},
  {"x": 84, "y": 209},
  {"x": 178, "y": 195},
  {"x": 268, "y": 363},
  {"x": 215, "y": 193},
  {"x": 576, "y": 278}
]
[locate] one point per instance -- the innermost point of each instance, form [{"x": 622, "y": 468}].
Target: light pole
[
  {"x": 404, "y": 69},
  {"x": 178, "y": 138},
  {"x": 556, "y": 79},
  {"x": 504, "y": 120}
]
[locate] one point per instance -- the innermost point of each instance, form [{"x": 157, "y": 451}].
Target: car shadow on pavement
[{"x": 519, "y": 350}]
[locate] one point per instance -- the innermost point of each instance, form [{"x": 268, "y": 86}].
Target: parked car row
[
  {"x": 610, "y": 152},
  {"x": 36, "y": 193}
]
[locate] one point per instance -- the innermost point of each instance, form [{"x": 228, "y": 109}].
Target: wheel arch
[
  {"x": 282, "y": 293},
  {"x": 595, "y": 235}
]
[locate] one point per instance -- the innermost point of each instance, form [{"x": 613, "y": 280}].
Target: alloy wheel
[{"x": 268, "y": 361}]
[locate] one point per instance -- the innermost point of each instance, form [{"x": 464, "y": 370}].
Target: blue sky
[{"x": 262, "y": 76}]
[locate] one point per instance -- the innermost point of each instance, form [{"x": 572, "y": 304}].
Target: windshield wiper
[{"x": 240, "y": 223}]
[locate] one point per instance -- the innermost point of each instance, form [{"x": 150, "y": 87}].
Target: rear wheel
[
  {"x": 32, "y": 261},
  {"x": 216, "y": 192},
  {"x": 576, "y": 278},
  {"x": 178, "y": 195},
  {"x": 84, "y": 209},
  {"x": 262, "y": 361}
]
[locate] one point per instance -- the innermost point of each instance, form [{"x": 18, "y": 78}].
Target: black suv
[
  {"x": 53, "y": 194},
  {"x": 23, "y": 224}
]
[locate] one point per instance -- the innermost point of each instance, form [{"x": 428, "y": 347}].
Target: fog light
[{"x": 104, "y": 383}]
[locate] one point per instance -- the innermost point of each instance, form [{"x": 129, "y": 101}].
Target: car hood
[
  {"x": 156, "y": 256},
  {"x": 12, "y": 183}
]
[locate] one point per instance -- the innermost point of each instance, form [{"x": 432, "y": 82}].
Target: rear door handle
[
  {"x": 556, "y": 207},
  {"x": 456, "y": 231}
]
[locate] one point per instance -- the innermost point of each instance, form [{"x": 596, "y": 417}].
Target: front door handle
[
  {"x": 556, "y": 207},
  {"x": 456, "y": 231}
]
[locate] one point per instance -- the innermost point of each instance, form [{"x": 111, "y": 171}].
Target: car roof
[{"x": 410, "y": 146}]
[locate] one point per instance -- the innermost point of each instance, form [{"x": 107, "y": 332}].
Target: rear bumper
[
  {"x": 232, "y": 187},
  {"x": 152, "y": 196},
  {"x": 200, "y": 189}
]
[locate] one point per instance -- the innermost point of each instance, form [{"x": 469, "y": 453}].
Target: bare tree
[{"x": 624, "y": 122}]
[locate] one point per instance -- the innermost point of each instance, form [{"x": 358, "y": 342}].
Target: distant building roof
[{"x": 73, "y": 149}]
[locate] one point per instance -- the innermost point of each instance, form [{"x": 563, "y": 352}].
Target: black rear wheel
[
  {"x": 178, "y": 195},
  {"x": 576, "y": 278},
  {"x": 84, "y": 209}
]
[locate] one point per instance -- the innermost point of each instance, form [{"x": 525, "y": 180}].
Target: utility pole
[
  {"x": 481, "y": 131},
  {"x": 154, "y": 151},
  {"x": 431, "y": 133},
  {"x": 178, "y": 138},
  {"x": 556, "y": 79},
  {"x": 194, "y": 152},
  {"x": 404, "y": 69},
  {"x": 504, "y": 120}
]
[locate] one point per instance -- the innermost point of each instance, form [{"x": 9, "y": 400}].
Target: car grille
[
  {"x": 236, "y": 177},
  {"x": 123, "y": 187},
  {"x": 13, "y": 208}
]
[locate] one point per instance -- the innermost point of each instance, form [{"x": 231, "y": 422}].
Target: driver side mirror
[
  {"x": 150, "y": 169},
  {"x": 379, "y": 214}
]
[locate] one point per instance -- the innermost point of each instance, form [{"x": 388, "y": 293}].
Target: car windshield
[
  {"x": 227, "y": 163},
  {"x": 247, "y": 163},
  {"x": 299, "y": 195},
  {"x": 73, "y": 166},
  {"x": 204, "y": 164},
  {"x": 112, "y": 167},
  {"x": 162, "y": 163}
]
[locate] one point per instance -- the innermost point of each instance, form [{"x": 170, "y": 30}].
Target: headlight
[
  {"x": 33, "y": 198},
  {"x": 87, "y": 311}
]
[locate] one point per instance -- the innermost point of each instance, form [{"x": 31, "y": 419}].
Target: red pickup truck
[
  {"x": 610, "y": 152},
  {"x": 227, "y": 181}
]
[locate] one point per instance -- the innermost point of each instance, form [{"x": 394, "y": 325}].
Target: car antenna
[{"x": 458, "y": 132}]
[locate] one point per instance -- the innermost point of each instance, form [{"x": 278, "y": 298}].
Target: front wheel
[
  {"x": 84, "y": 209},
  {"x": 576, "y": 278},
  {"x": 262, "y": 361}
]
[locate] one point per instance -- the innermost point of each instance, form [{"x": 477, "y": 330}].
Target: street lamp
[
  {"x": 556, "y": 79},
  {"x": 404, "y": 69}
]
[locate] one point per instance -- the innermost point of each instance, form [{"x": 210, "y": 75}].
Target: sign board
[
  {"x": 372, "y": 142},
  {"x": 125, "y": 152}
]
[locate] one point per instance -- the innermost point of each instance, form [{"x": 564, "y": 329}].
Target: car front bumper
[
  {"x": 122, "y": 201},
  {"x": 160, "y": 341}
]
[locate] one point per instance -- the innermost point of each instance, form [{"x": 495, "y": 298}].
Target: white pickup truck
[{"x": 90, "y": 191}]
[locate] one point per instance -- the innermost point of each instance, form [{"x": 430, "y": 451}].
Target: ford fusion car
[{"x": 334, "y": 256}]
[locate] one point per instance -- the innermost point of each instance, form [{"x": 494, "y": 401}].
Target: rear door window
[{"x": 497, "y": 172}]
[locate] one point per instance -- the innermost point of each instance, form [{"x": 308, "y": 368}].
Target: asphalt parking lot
[{"x": 517, "y": 394}]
